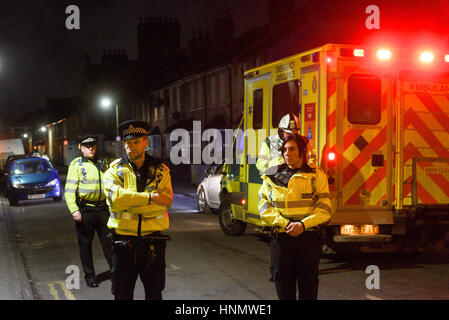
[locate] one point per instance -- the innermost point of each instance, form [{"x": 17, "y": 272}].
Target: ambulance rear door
[{"x": 365, "y": 144}]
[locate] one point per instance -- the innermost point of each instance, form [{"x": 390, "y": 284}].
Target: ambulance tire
[{"x": 228, "y": 224}]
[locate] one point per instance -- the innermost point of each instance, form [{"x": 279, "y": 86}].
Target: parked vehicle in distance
[
  {"x": 10, "y": 147},
  {"x": 29, "y": 178},
  {"x": 208, "y": 190}
]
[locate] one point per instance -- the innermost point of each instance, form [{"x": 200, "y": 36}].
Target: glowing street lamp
[{"x": 106, "y": 103}]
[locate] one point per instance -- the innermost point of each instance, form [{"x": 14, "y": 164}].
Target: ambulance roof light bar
[
  {"x": 359, "y": 53},
  {"x": 426, "y": 56},
  {"x": 349, "y": 52},
  {"x": 383, "y": 54}
]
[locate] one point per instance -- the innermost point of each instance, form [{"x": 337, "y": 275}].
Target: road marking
[
  {"x": 175, "y": 267},
  {"x": 180, "y": 210},
  {"x": 334, "y": 270},
  {"x": 68, "y": 294},
  {"x": 53, "y": 291},
  {"x": 370, "y": 297},
  {"x": 204, "y": 223}
]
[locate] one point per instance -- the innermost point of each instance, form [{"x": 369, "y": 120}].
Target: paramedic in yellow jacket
[
  {"x": 138, "y": 192},
  {"x": 295, "y": 201},
  {"x": 270, "y": 155}
]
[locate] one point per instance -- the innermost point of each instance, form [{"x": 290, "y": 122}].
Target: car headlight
[
  {"x": 52, "y": 183},
  {"x": 17, "y": 185}
]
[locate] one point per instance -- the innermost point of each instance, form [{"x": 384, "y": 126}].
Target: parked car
[
  {"x": 8, "y": 160},
  {"x": 29, "y": 178},
  {"x": 209, "y": 189}
]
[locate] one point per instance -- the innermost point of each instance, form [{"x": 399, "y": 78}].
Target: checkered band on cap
[
  {"x": 133, "y": 130},
  {"x": 88, "y": 140}
]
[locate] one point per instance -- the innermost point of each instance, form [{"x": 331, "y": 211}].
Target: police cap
[
  {"x": 88, "y": 139},
  {"x": 133, "y": 129}
]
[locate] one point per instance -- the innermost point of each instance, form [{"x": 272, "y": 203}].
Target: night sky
[{"x": 39, "y": 57}]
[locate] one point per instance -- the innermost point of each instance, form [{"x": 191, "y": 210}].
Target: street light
[
  {"x": 106, "y": 103},
  {"x": 43, "y": 129}
]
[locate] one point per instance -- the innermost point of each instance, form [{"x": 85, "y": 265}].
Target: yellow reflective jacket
[
  {"x": 127, "y": 206},
  {"x": 84, "y": 181},
  {"x": 270, "y": 155},
  {"x": 306, "y": 199}
]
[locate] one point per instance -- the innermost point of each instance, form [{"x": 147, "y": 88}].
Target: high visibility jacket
[
  {"x": 131, "y": 210},
  {"x": 306, "y": 199},
  {"x": 84, "y": 182},
  {"x": 270, "y": 155}
]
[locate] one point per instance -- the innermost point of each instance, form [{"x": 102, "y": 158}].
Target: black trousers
[
  {"x": 138, "y": 256},
  {"x": 93, "y": 219},
  {"x": 295, "y": 263}
]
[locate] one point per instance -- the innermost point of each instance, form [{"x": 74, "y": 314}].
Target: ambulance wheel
[{"x": 228, "y": 223}]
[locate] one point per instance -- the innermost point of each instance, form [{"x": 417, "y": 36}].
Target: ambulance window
[
  {"x": 364, "y": 99},
  {"x": 239, "y": 146},
  {"x": 285, "y": 100},
  {"x": 257, "y": 109}
]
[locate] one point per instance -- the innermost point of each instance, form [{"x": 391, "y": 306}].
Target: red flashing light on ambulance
[
  {"x": 359, "y": 53},
  {"x": 383, "y": 54},
  {"x": 426, "y": 57}
]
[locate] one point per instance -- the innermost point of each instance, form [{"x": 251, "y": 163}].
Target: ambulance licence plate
[
  {"x": 36, "y": 196},
  {"x": 366, "y": 229}
]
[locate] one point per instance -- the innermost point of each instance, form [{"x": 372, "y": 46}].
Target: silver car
[{"x": 208, "y": 191}]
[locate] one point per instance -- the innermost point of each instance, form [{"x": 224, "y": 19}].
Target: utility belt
[
  {"x": 83, "y": 203},
  {"x": 153, "y": 242},
  {"x": 275, "y": 232},
  {"x": 119, "y": 240}
]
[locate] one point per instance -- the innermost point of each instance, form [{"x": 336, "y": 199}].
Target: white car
[{"x": 208, "y": 192}]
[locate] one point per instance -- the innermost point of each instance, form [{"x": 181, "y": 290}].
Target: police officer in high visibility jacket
[
  {"x": 270, "y": 155},
  {"x": 86, "y": 201},
  {"x": 295, "y": 201},
  {"x": 139, "y": 192}
]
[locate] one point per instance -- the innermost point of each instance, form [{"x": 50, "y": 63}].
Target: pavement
[
  {"x": 14, "y": 284},
  {"x": 13, "y": 280}
]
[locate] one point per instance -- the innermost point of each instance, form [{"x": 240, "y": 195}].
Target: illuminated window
[{"x": 364, "y": 99}]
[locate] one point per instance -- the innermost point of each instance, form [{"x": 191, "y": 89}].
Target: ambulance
[{"x": 377, "y": 120}]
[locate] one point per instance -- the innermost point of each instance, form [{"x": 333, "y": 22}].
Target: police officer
[
  {"x": 86, "y": 201},
  {"x": 270, "y": 155},
  {"x": 295, "y": 201},
  {"x": 139, "y": 192}
]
